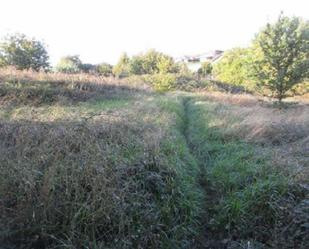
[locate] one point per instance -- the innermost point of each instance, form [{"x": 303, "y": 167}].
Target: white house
[{"x": 194, "y": 62}]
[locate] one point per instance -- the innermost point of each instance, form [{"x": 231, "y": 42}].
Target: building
[{"x": 194, "y": 62}]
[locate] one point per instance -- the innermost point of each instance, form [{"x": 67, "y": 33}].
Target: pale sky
[{"x": 100, "y": 30}]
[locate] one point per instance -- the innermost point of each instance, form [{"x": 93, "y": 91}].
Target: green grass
[
  {"x": 122, "y": 180},
  {"x": 245, "y": 193},
  {"x": 58, "y": 112}
]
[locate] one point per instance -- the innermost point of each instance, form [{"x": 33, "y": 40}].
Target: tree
[
  {"x": 205, "y": 69},
  {"x": 136, "y": 65},
  {"x": 152, "y": 62},
  {"x": 235, "y": 67},
  {"x": 121, "y": 69},
  {"x": 24, "y": 53},
  {"x": 282, "y": 51},
  {"x": 69, "y": 64},
  {"x": 166, "y": 64},
  {"x": 183, "y": 69}
]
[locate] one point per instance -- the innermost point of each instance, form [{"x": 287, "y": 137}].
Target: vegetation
[
  {"x": 282, "y": 55},
  {"x": 247, "y": 196},
  {"x": 205, "y": 70},
  {"x": 121, "y": 69},
  {"x": 69, "y": 64},
  {"x": 23, "y": 52},
  {"x": 235, "y": 67},
  {"x": 275, "y": 64},
  {"x": 89, "y": 162},
  {"x": 104, "y": 69},
  {"x": 94, "y": 161},
  {"x": 162, "y": 82}
]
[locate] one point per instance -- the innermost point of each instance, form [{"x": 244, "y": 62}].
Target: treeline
[
  {"x": 25, "y": 53},
  {"x": 274, "y": 64}
]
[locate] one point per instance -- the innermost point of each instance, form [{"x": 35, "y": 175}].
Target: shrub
[
  {"x": 104, "y": 69},
  {"x": 23, "y": 53},
  {"x": 235, "y": 67},
  {"x": 151, "y": 62},
  {"x": 162, "y": 82},
  {"x": 182, "y": 69},
  {"x": 69, "y": 64},
  {"x": 88, "y": 68},
  {"x": 122, "y": 69},
  {"x": 205, "y": 69}
]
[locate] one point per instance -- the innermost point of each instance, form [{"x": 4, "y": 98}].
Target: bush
[
  {"x": 205, "y": 69},
  {"x": 235, "y": 68},
  {"x": 122, "y": 69},
  {"x": 69, "y": 64},
  {"x": 88, "y": 68},
  {"x": 162, "y": 82},
  {"x": 151, "y": 62},
  {"x": 104, "y": 69}
]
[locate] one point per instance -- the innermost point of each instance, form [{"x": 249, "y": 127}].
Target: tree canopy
[
  {"x": 282, "y": 55},
  {"x": 23, "y": 52}
]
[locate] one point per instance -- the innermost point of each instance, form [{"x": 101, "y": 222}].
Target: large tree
[
  {"x": 24, "y": 53},
  {"x": 282, "y": 52}
]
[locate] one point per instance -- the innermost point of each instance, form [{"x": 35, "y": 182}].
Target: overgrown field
[{"x": 90, "y": 162}]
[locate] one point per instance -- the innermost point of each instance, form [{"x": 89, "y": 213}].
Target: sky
[{"x": 101, "y": 30}]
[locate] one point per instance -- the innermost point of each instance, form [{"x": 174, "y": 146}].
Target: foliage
[
  {"x": 137, "y": 66},
  {"x": 69, "y": 64},
  {"x": 87, "y": 68},
  {"x": 166, "y": 64},
  {"x": 235, "y": 67},
  {"x": 121, "y": 69},
  {"x": 104, "y": 69},
  {"x": 2, "y": 61},
  {"x": 205, "y": 69},
  {"x": 24, "y": 53},
  {"x": 163, "y": 82},
  {"x": 282, "y": 55},
  {"x": 182, "y": 69},
  {"x": 151, "y": 62}
]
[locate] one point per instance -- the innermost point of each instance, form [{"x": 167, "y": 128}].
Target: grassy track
[{"x": 247, "y": 199}]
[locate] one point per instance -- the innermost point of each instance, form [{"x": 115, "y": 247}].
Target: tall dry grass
[{"x": 27, "y": 76}]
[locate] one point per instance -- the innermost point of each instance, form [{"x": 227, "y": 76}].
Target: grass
[
  {"x": 97, "y": 173},
  {"x": 91, "y": 162},
  {"x": 248, "y": 196}
]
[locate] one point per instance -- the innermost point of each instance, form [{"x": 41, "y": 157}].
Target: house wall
[{"x": 194, "y": 66}]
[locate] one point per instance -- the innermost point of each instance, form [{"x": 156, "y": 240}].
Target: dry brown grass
[
  {"x": 36, "y": 88},
  {"x": 26, "y": 76}
]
